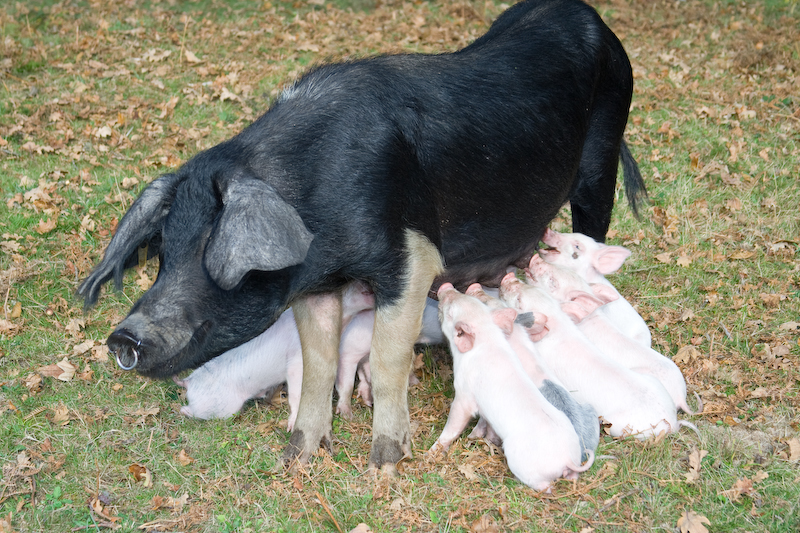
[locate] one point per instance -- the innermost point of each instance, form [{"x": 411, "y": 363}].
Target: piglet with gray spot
[
  {"x": 539, "y": 441},
  {"x": 583, "y": 416}
]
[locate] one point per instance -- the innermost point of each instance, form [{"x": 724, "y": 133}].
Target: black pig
[{"x": 402, "y": 171}]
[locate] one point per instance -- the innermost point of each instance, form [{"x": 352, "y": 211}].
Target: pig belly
[{"x": 539, "y": 458}]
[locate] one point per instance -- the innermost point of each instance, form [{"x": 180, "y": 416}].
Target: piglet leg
[
  {"x": 319, "y": 323},
  {"x": 461, "y": 412}
]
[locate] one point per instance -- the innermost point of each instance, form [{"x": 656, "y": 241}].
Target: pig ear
[
  {"x": 139, "y": 228},
  {"x": 465, "y": 337},
  {"x": 257, "y": 230},
  {"x": 609, "y": 258},
  {"x": 504, "y": 319},
  {"x": 535, "y": 328},
  {"x": 604, "y": 292},
  {"x": 585, "y": 300},
  {"x": 575, "y": 311}
]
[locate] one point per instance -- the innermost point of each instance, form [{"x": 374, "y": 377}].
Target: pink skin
[
  {"x": 539, "y": 441},
  {"x": 579, "y": 300},
  {"x": 219, "y": 388},
  {"x": 354, "y": 352},
  {"x": 593, "y": 261},
  {"x": 634, "y": 404}
]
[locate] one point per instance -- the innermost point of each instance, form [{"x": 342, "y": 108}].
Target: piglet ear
[
  {"x": 585, "y": 300},
  {"x": 465, "y": 337},
  {"x": 575, "y": 311},
  {"x": 504, "y": 319},
  {"x": 257, "y": 230},
  {"x": 608, "y": 259},
  {"x": 536, "y": 326},
  {"x": 138, "y": 233},
  {"x": 604, "y": 292}
]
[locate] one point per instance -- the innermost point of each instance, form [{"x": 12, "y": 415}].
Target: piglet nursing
[
  {"x": 583, "y": 416},
  {"x": 634, "y": 404},
  {"x": 539, "y": 441},
  {"x": 593, "y": 261},
  {"x": 219, "y": 388},
  {"x": 584, "y": 303}
]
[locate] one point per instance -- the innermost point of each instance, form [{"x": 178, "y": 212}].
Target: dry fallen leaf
[
  {"x": 7, "y": 326},
  {"x": 46, "y": 226},
  {"x": 686, "y": 354},
  {"x": 191, "y": 57},
  {"x": 184, "y": 458},
  {"x": 469, "y": 472},
  {"x": 664, "y": 258},
  {"x": 484, "y": 524},
  {"x": 61, "y": 415},
  {"x": 691, "y": 522},
  {"x": 695, "y": 458},
  {"x": 744, "y": 487},
  {"x": 141, "y": 473},
  {"x": 82, "y": 348},
  {"x": 794, "y": 450}
]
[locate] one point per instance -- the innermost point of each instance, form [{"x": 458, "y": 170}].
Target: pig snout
[
  {"x": 126, "y": 348},
  {"x": 446, "y": 293},
  {"x": 552, "y": 239},
  {"x": 156, "y": 346},
  {"x": 510, "y": 283}
]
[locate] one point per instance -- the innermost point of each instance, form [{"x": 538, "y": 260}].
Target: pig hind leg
[
  {"x": 397, "y": 326},
  {"x": 592, "y": 198}
]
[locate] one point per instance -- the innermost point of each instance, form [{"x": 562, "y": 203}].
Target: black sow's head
[{"x": 227, "y": 247}]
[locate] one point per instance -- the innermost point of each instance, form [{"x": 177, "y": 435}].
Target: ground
[{"x": 101, "y": 97}]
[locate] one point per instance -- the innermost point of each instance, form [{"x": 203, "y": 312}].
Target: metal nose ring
[{"x": 135, "y": 351}]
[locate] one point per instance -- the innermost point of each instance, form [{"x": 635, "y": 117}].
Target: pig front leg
[
  {"x": 396, "y": 329},
  {"x": 319, "y": 323}
]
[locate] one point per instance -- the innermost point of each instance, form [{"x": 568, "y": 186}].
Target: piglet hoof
[
  {"x": 179, "y": 382},
  {"x": 437, "y": 450},
  {"x": 344, "y": 411},
  {"x": 187, "y": 411}
]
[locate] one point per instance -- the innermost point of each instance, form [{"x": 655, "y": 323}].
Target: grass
[{"x": 90, "y": 99}]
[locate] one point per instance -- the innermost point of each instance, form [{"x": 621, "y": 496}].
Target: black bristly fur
[{"x": 477, "y": 150}]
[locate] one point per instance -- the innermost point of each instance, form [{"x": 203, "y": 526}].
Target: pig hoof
[
  {"x": 300, "y": 449},
  {"x": 187, "y": 411},
  {"x": 388, "y": 451},
  {"x": 345, "y": 412},
  {"x": 295, "y": 450},
  {"x": 385, "y": 471}
]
